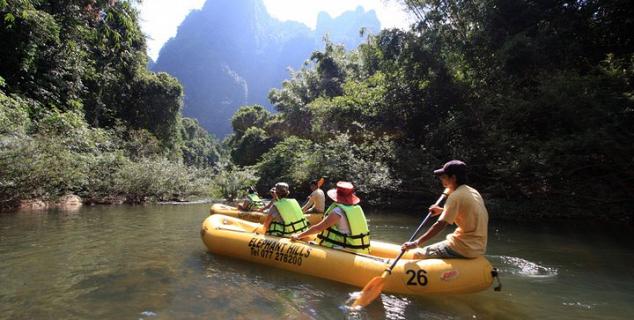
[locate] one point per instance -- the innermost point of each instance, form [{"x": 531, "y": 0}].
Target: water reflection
[
  {"x": 522, "y": 267},
  {"x": 394, "y": 306},
  {"x": 148, "y": 262}
]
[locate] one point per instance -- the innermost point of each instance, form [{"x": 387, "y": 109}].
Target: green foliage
[
  {"x": 80, "y": 113},
  {"x": 137, "y": 143},
  {"x": 292, "y": 101},
  {"x": 247, "y": 117},
  {"x": 329, "y": 69},
  {"x": 28, "y": 41},
  {"x": 545, "y": 114},
  {"x": 231, "y": 182},
  {"x": 41, "y": 166},
  {"x": 250, "y": 140},
  {"x": 155, "y": 105},
  {"x": 536, "y": 97},
  {"x": 281, "y": 163},
  {"x": 367, "y": 165},
  {"x": 250, "y": 147},
  {"x": 200, "y": 149},
  {"x": 160, "y": 179},
  {"x": 297, "y": 161},
  {"x": 88, "y": 58},
  {"x": 356, "y": 112},
  {"x": 100, "y": 183},
  {"x": 14, "y": 116},
  {"x": 548, "y": 157},
  {"x": 49, "y": 166}
]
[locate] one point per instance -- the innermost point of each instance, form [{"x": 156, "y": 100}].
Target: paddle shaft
[
  {"x": 373, "y": 289},
  {"x": 440, "y": 200}
]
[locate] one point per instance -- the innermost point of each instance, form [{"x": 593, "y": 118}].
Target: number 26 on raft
[{"x": 416, "y": 278}]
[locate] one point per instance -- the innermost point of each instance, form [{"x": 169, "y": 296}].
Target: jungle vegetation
[
  {"x": 536, "y": 96},
  {"x": 80, "y": 113}
]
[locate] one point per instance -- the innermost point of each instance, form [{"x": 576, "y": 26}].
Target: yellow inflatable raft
[
  {"x": 254, "y": 216},
  {"x": 229, "y": 236}
]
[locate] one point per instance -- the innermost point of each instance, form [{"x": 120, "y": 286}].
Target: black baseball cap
[{"x": 452, "y": 168}]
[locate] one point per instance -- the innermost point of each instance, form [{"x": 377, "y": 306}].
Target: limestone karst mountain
[{"x": 231, "y": 53}]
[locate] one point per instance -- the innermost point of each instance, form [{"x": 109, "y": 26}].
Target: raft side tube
[{"x": 230, "y": 236}]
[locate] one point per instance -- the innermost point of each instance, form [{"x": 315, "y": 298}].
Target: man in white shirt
[
  {"x": 316, "y": 202},
  {"x": 464, "y": 208}
]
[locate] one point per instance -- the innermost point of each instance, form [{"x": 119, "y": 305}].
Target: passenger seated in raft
[
  {"x": 252, "y": 201},
  {"x": 285, "y": 216},
  {"x": 344, "y": 225},
  {"x": 316, "y": 202},
  {"x": 465, "y": 208}
]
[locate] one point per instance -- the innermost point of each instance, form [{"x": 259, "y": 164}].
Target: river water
[{"x": 148, "y": 262}]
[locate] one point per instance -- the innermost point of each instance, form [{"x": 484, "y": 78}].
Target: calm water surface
[{"x": 148, "y": 262}]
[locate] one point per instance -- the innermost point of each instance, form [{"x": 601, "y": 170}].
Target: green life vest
[
  {"x": 359, "y": 238},
  {"x": 291, "y": 213},
  {"x": 254, "y": 202}
]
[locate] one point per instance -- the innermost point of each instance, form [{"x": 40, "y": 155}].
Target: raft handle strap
[
  {"x": 344, "y": 244},
  {"x": 356, "y": 236},
  {"x": 495, "y": 275},
  {"x": 282, "y": 233},
  {"x": 341, "y": 244},
  {"x": 292, "y": 224}
]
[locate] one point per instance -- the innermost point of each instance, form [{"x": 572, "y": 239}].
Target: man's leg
[{"x": 439, "y": 250}]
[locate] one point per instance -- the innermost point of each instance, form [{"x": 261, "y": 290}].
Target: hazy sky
[{"x": 161, "y": 18}]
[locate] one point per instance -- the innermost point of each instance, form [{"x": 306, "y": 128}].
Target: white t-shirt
[
  {"x": 316, "y": 201},
  {"x": 466, "y": 209},
  {"x": 277, "y": 217}
]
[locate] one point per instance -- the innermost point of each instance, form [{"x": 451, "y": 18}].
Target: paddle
[{"x": 373, "y": 289}]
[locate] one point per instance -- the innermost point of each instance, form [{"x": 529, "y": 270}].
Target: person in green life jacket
[
  {"x": 285, "y": 216},
  {"x": 344, "y": 225},
  {"x": 252, "y": 201},
  {"x": 464, "y": 207}
]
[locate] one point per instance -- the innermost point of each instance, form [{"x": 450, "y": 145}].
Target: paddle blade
[{"x": 370, "y": 292}]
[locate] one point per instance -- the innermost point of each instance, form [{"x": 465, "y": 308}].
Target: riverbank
[
  {"x": 73, "y": 202},
  {"x": 499, "y": 209}
]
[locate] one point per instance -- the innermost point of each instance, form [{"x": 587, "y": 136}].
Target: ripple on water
[
  {"x": 525, "y": 268},
  {"x": 351, "y": 312},
  {"x": 149, "y": 314},
  {"x": 578, "y": 305},
  {"x": 394, "y": 306}
]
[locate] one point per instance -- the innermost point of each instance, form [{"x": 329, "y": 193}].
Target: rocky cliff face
[{"x": 232, "y": 52}]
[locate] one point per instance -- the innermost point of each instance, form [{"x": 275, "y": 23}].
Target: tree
[
  {"x": 200, "y": 149},
  {"x": 247, "y": 117}
]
